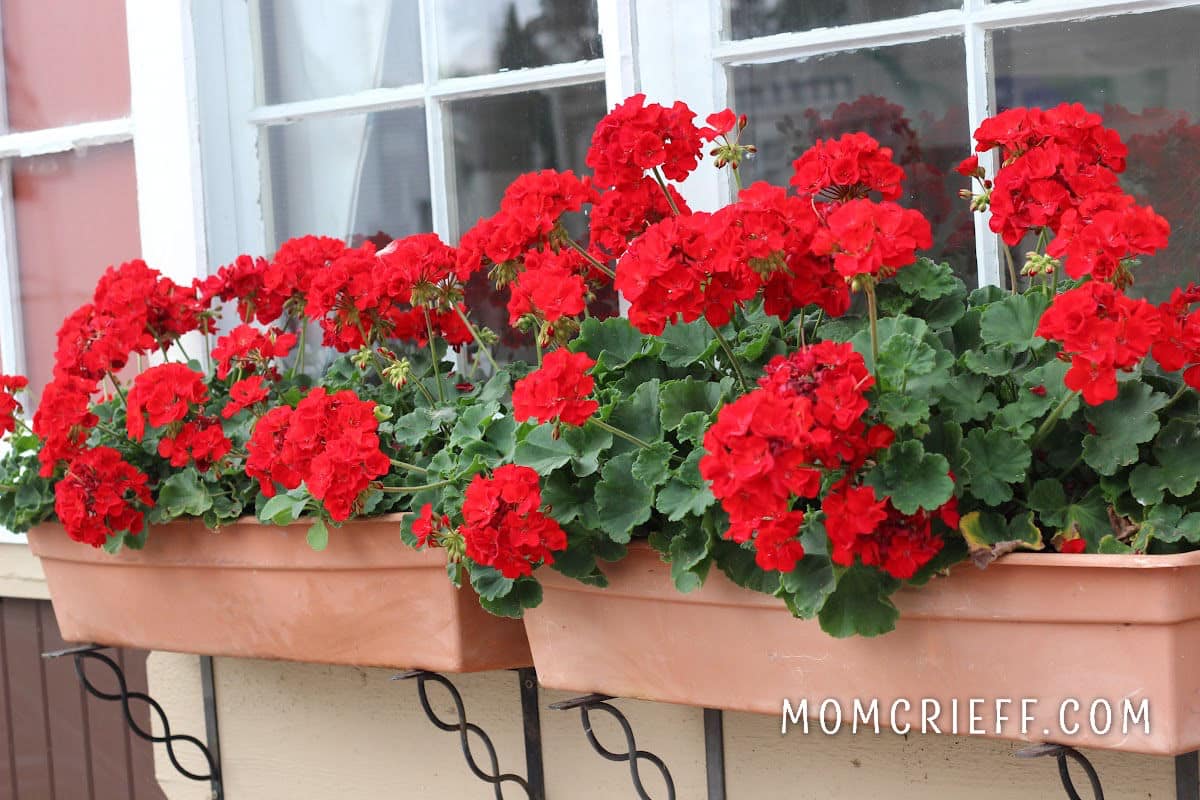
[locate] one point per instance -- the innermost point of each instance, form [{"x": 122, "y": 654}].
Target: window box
[
  {"x": 1045, "y": 627},
  {"x": 259, "y": 591}
]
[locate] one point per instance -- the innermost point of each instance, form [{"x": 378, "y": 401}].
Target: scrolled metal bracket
[
  {"x": 1062, "y": 754},
  {"x": 92, "y": 652},
  {"x": 632, "y": 755},
  {"x": 533, "y": 786}
]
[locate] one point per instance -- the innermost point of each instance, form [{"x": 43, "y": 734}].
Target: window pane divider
[
  {"x": 437, "y": 133},
  {"x": 1018, "y": 14},
  {"x": 63, "y": 138}
]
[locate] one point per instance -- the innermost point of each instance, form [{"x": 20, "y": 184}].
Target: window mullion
[
  {"x": 437, "y": 136},
  {"x": 12, "y": 324},
  {"x": 618, "y": 32},
  {"x": 977, "y": 46}
]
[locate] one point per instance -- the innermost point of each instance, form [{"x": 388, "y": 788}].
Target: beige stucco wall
[{"x": 300, "y": 731}]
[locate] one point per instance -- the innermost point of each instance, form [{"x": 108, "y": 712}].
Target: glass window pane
[
  {"x": 65, "y": 61},
  {"x": 312, "y": 50},
  {"x": 476, "y": 37},
  {"x": 745, "y": 19},
  {"x": 354, "y": 177},
  {"x": 1142, "y": 72},
  {"x": 494, "y": 140},
  {"x": 76, "y": 213},
  {"x": 912, "y": 98}
]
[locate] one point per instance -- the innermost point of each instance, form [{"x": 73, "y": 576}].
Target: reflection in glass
[
  {"x": 361, "y": 176},
  {"x": 912, "y": 98},
  {"x": 745, "y": 19},
  {"x": 93, "y": 196},
  {"x": 312, "y": 50},
  {"x": 1142, "y": 72},
  {"x": 64, "y": 62},
  {"x": 495, "y": 139},
  {"x": 476, "y": 37}
]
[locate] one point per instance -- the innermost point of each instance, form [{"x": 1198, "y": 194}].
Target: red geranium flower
[
  {"x": 867, "y": 238},
  {"x": 559, "y": 389},
  {"x": 98, "y": 496},
  {"x": 503, "y": 525},
  {"x": 165, "y": 394},
  {"x": 847, "y": 168},
  {"x": 201, "y": 442},
  {"x": 245, "y": 393},
  {"x": 637, "y": 136},
  {"x": 9, "y": 405}
]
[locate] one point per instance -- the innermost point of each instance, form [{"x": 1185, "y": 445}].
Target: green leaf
[
  {"x": 680, "y": 398},
  {"x": 1087, "y": 516},
  {"x": 928, "y": 280},
  {"x": 540, "y": 451},
  {"x": 902, "y": 410},
  {"x": 318, "y": 535},
  {"x": 989, "y": 535},
  {"x": 566, "y": 495},
  {"x": 693, "y": 426},
  {"x": 685, "y": 492},
  {"x": 614, "y": 337},
  {"x": 859, "y": 605},
  {"x": 903, "y": 356},
  {"x": 963, "y": 398},
  {"x": 689, "y": 551},
  {"x": 995, "y": 460},
  {"x": 586, "y": 443},
  {"x": 488, "y": 582},
  {"x": 806, "y": 588},
  {"x": 652, "y": 464},
  {"x": 993, "y": 361},
  {"x": 686, "y": 343},
  {"x": 1147, "y": 483},
  {"x": 1121, "y": 425},
  {"x": 526, "y": 592},
  {"x": 638, "y": 414},
  {"x": 737, "y": 562},
  {"x": 913, "y": 478},
  {"x": 1111, "y": 546},
  {"x": 1167, "y": 523},
  {"x": 1012, "y": 321},
  {"x": 472, "y": 423},
  {"x": 184, "y": 494},
  {"x": 622, "y": 500},
  {"x": 752, "y": 341},
  {"x": 1177, "y": 450}
]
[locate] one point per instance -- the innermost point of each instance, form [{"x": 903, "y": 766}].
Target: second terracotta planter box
[
  {"x": 259, "y": 591},
  {"x": 1054, "y": 629}
]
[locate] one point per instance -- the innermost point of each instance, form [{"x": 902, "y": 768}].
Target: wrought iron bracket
[
  {"x": 533, "y": 784},
  {"x": 1062, "y": 753},
  {"x": 210, "y": 750},
  {"x": 632, "y": 755}
]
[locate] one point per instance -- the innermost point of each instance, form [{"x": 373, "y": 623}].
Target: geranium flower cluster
[
  {"x": 10, "y": 406},
  {"x": 166, "y": 395},
  {"x": 558, "y": 390},
  {"x": 1059, "y": 172},
  {"x": 773, "y": 445},
  {"x": 100, "y": 494},
  {"x": 328, "y": 442},
  {"x": 1177, "y": 347},
  {"x": 1101, "y": 330},
  {"x": 637, "y": 137},
  {"x": 503, "y": 525},
  {"x": 864, "y": 527},
  {"x": 847, "y": 168}
]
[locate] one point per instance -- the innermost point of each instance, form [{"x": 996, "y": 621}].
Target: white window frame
[
  {"x": 234, "y": 178},
  {"x": 697, "y": 58}
]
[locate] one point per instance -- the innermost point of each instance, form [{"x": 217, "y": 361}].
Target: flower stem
[
  {"x": 414, "y": 489},
  {"x": 873, "y": 315},
  {"x": 741, "y": 376},
  {"x": 1050, "y": 421},
  {"x": 1012, "y": 269},
  {"x": 629, "y": 437},
  {"x": 1175, "y": 398},
  {"x": 437, "y": 373},
  {"x": 662, "y": 184},
  {"x": 595, "y": 262},
  {"x": 298, "y": 364},
  {"x": 409, "y": 467},
  {"x": 737, "y": 179},
  {"x": 117, "y": 388},
  {"x": 483, "y": 348}
]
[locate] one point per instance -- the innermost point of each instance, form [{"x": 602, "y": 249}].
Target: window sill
[{"x": 21, "y": 573}]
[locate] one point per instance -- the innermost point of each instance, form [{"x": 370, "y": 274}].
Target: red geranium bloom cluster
[
  {"x": 419, "y": 271},
  {"x": 9, "y": 405},
  {"x": 862, "y": 526},
  {"x": 133, "y": 310},
  {"x": 251, "y": 350},
  {"x": 622, "y": 214},
  {"x": 426, "y": 526},
  {"x": 166, "y": 393},
  {"x": 558, "y": 389},
  {"x": 245, "y": 393},
  {"x": 549, "y": 288},
  {"x": 265, "y": 290},
  {"x": 503, "y": 525},
  {"x": 867, "y": 238},
  {"x": 684, "y": 267},
  {"x": 1060, "y": 172},
  {"x": 770, "y": 446},
  {"x": 201, "y": 442},
  {"x": 637, "y": 136},
  {"x": 776, "y": 234},
  {"x": 1178, "y": 344},
  {"x": 328, "y": 442},
  {"x": 98, "y": 497},
  {"x": 1101, "y": 330},
  {"x": 533, "y": 203},
  {"x": 846, "y": 168}
]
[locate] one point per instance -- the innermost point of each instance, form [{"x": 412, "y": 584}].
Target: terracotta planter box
[
  {"x": 1052, "y": 628},
  {"x": 259, "y": 591}
]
